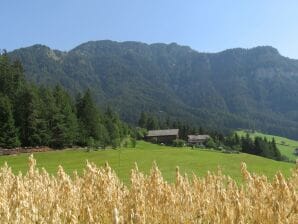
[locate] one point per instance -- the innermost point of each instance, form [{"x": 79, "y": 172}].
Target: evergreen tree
[
  {"x": 113, "y": 126},
  {"x": 11, "y": 77},
  {"x": 114, "y": 134},
  {"x": 257, "y": 150},
  {"x": 276, "y": 153},
  {"x": 28, "y": 117},
  {"x": 104, "y": 136},
  {"x": 201, "y": 130},
  {"x": 247, "y": 144},
  {"x": 168, "y": 123},
  {"x": 8, "y": 131},
  {"x": 48, "y": 111},
  {"x": 58, "y": 129},
  {"x": 183, "y": 131},
  {"x": 88, "y": 118},
  {"x": 152, "y": 123},
  {"x": 143, "y": 120},
  {"x": 237, "y": 139},
  {"x": 65, "y": 120}
]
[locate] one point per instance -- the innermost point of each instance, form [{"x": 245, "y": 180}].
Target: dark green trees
[
  {"x": 143, "y": 120},
  {"x": 89, "y": 120},
  {"x": 257, "y": 146},
  {"x": 64, "y": 124},
  {"x": 42, "y": 116},
  {"x": 28, "y": 117},
  {"x": 113, "y": 126},
  {"x": 8, "y": 132},
  {"x": 98, "y": 129}
]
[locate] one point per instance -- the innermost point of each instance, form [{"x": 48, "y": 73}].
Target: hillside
[
  {"x": 285, "y": 145},
  {"x": 237, "y": 88},
  {"x": 167, "y": 158}
]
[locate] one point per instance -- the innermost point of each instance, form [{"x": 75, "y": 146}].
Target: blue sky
[{"x": 206, "y": 26}]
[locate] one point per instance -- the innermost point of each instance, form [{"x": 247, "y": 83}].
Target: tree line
[
  {"x": 151, "y": 122},
  {"x": 256, "y": 146},
  {"x": 42, "y": 116}
]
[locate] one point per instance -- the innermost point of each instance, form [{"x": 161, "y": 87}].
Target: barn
[
  {"x": 197, "y": 139},
  {"x": 166, "y": 136}
]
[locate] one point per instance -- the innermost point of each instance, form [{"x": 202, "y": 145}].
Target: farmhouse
[
  {"x": 197, "y": 139},
  {"x": 163, "y": 136}
]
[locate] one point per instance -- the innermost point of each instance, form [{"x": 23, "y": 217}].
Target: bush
[
  {"x": 133, "y": 142},
  {"x": 90, "y": 142},
  {"x": 140, "y": 133},
  {"x": 284, "y": 158},
  {"x": 178, "y": 143},
  {"x": 237, "y": 148},
  {"x": 210, "y": 143}
]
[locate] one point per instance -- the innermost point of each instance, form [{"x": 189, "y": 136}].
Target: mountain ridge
[
  {"x": 235, "y": 88},
  {"x": 269, "y": 47}
]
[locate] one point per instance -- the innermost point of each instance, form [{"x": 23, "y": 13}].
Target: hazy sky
[{"x": 207, "y": 26}]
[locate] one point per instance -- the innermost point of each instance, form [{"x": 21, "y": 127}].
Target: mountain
[{"x": 236, "y": 88}]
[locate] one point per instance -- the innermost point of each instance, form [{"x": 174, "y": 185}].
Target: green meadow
[{"x": 122, "y": 160}]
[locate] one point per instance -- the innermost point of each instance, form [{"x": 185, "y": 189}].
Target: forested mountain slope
[{"x": 237, "y": 88}]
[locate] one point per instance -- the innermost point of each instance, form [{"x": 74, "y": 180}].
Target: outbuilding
[
  {"x": 166, "y": 136},
  {"x": 197, "y": 139}
]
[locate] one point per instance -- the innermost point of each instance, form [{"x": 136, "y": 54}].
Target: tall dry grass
[{"x": 98, "y": 196}]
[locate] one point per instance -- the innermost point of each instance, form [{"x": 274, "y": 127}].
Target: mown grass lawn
[
  {"x": 285, "y": 145},
  {"x": 122, "y": 161}
]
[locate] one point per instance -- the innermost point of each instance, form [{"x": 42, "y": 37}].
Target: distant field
[
  {"x": 285, "y": 145},
  {"x": 167, "y": 158}
]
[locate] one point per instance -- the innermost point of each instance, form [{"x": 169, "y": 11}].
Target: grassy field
[
  {"x": 285, "y": 145},
  {"x": 122, "y": 161}
]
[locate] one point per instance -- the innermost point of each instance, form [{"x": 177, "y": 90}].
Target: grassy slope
[
  {"x": 167, "y": 158},
  {"x": 287, "y": 148}
]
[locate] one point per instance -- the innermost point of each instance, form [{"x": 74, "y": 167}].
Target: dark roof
[
  {"x": 167, "y": 132},
  {"x": 197, "y": 137}
]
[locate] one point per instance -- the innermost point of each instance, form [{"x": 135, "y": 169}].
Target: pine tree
[
  {"x": 48, "y": 110},
  {"x": 28, "y": 117},
  {"x": 276, "y": 152},
  {"x": 143, "y": 120},
  {"x": 247, "y": 144},
  {"x": 152, "y": 123},
  {"x": 237, "y": 139},
  {"x": 65, "y": 120},
  {"x": 8, "y": 131},
  {"x": 58, "y": 132},
  {"x": 258, "y": 147},
  {"x": 201, "y": 130},
  {"x": 88, "y": 118},
  {"x": 11, "y": 77},
  {"x": 114, "y": 134},
  {"x": 168, "y": 123},
  {"x": 113, "y": 127}
]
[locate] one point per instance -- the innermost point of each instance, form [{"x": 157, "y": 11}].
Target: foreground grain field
[
  {"x": 98, "y": 196},
  {"x": 167, "y": 158}
]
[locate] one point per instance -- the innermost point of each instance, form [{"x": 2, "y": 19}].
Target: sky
[{"x": 204, "y": 25}]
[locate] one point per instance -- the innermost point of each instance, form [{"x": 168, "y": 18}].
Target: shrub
[
  {"x": 133, "y": 142},
  {"x": 178, "y": 143},
  {"x": 210, "y": 143}
]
